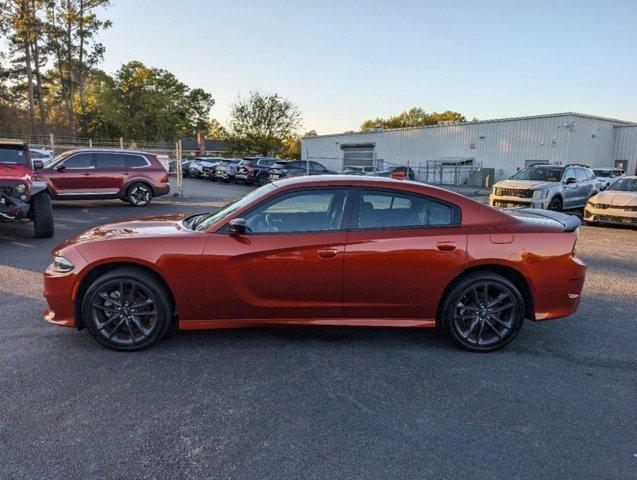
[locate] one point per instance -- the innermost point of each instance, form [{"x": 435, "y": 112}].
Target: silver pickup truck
[{"x": 551, "y": 187}]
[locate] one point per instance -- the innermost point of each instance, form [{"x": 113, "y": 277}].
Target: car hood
[
  {"x": 155, "y": 226},
  {"x": 15, "y": 172},
  {"x": 525, "y": 184},
  {"x": 619, "y": 199}
]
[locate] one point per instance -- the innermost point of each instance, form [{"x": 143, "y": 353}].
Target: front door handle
[
  {"x": 87, "y": 174},
  {"x": 446, "y": 246},
  {"x": 327, "y": 253}
]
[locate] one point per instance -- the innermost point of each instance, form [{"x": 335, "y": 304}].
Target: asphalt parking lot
[{"x": 322, "y": 402}]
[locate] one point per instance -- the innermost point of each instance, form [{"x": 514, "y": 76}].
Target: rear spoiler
[{"x": 569, "y": 222}]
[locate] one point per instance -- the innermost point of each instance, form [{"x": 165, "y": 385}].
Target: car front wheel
[
  {"x": 139, "y": 194},
  {"x": 42, "y": 215},
  {"x": 126, "y": 309},
  {"x": 555, "y": 204},
  {"x": 483, "y": 312}
]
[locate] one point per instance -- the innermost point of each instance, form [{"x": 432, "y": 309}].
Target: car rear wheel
[
  {"x": 126, "y": 309},
  {"x": 42, "y": 215},
  {"x": 139, "y": 194},
  {"x": 483, "y": 312},
  {"x": 555, "y": 204}
]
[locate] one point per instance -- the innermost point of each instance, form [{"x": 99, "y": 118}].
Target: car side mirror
[
  {"x": 60, "y": 168},
  {"x": 38, "y": 164},
  {"x": 238, "y": 226},
  {"x": 570, "y": 180}
]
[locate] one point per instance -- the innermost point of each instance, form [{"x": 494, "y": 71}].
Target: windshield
[
  {"x": 12, "y": 155},
  {"x": 53, "y": 160},
  {"x": 624, "y": 185},
  {"x": 602, "y": 173},
  {"x": 540, "y": 174},
  {"x": 210, "y": 219}
]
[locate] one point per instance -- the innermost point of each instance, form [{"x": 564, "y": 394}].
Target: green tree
[
  {"x": 146, "y": 103},
  {"x": 414, "y": 117},
  {"x": 216, "y": 130},
  {"x": 292, "y": 145},
  {"x": 260, "y": 123}
]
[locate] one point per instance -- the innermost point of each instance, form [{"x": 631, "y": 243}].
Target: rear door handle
[
  {"x": 327, "y": 253},
  {"x": 87, "y": 174},
  {"x": 446, "y": 246}
]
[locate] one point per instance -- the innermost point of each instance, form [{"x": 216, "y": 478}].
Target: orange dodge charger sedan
[{"x": 330, "y": 250}]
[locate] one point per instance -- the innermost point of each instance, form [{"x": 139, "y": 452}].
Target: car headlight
[
  {"x": 62, "y": 265},
  {"x": 21, "y": 188},
  {"x": 539, "y": 194}
]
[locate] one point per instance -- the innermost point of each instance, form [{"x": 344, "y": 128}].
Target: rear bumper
[
  {"x": 560, "y": 292},
  {"x": 162, "y": 189}
]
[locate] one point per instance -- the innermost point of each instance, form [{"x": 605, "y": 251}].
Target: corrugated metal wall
[
  {"x": 626, "y": 147},
  {"x": 504, "y": 145}
]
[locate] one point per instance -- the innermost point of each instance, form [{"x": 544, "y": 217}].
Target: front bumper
[
  {"x": 511, "y": 202},
  {"x": 61, "y": 289},
  {"x": 614, "y": 216},
  {"x": 12, "y": 208}
]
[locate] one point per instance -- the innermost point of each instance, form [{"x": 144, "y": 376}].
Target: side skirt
[{"x": 344, "y": 322}]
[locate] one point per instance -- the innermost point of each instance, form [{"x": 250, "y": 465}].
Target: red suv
[{"x": 135, "y": 177}]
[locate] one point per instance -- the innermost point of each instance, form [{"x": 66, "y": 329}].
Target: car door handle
[
  {"x": 87, "y": 174},
  {"x": 327, "y": 253},
  {"x": 126, "y": 173},
  {"x": 446, "y": 246}
]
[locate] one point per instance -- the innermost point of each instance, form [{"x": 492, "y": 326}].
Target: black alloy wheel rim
[
  {"x": 124, "y": 312},
  {"x": 140, "y": 194},
  {"x": 485, "y": 314},
  {"x": 555, "y": 205}
]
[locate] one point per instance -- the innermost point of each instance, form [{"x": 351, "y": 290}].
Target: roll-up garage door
[{"x": 358, "y": 155}]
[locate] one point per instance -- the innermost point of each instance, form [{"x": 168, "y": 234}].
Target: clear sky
[{"x": 345, "y": 61}]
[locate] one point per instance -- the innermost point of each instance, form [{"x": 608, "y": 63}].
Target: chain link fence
[
  {"x": 50, "y": 146},
  {"x": 456, "y": 173}
]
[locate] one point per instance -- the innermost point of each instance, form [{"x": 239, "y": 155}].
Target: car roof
[
  {"x": 12, "y": 142},
  {"x": 606, "y": 168},
  {"x": 107, "y": 150}
]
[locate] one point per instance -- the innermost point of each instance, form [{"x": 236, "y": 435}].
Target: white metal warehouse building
[{"x": 504, "y": 145}]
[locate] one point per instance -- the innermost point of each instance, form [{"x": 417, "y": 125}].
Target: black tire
[
  {"x": 42, "y": 215},
  {"x": 472, "y": 309},
  {"x": 139, "y": 194},
  {"x": 112, "y": 317},
  {"x": 262, "y": 180},
  {"x": 555, "y": 204}
]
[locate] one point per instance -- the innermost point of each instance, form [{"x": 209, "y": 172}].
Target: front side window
[
  {"x": 580, "y": 175},
  {"x": 208, "y": 220},
  {"x": 307, "y": 211},
  {"x": 393, "y": 209},
  {"x": 108, "y": 160},
  {"x": 80, "y": 160}
]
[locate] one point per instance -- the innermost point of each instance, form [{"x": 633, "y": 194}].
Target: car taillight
[{"x": 164, "y": 178}]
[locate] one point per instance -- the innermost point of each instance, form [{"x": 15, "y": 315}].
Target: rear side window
[
  {"x": 80, "y": 160},
  {"x": 108, "y": 160},
  {"x": 393, "y": 209},
  {"x": 135, "y": 161}
]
